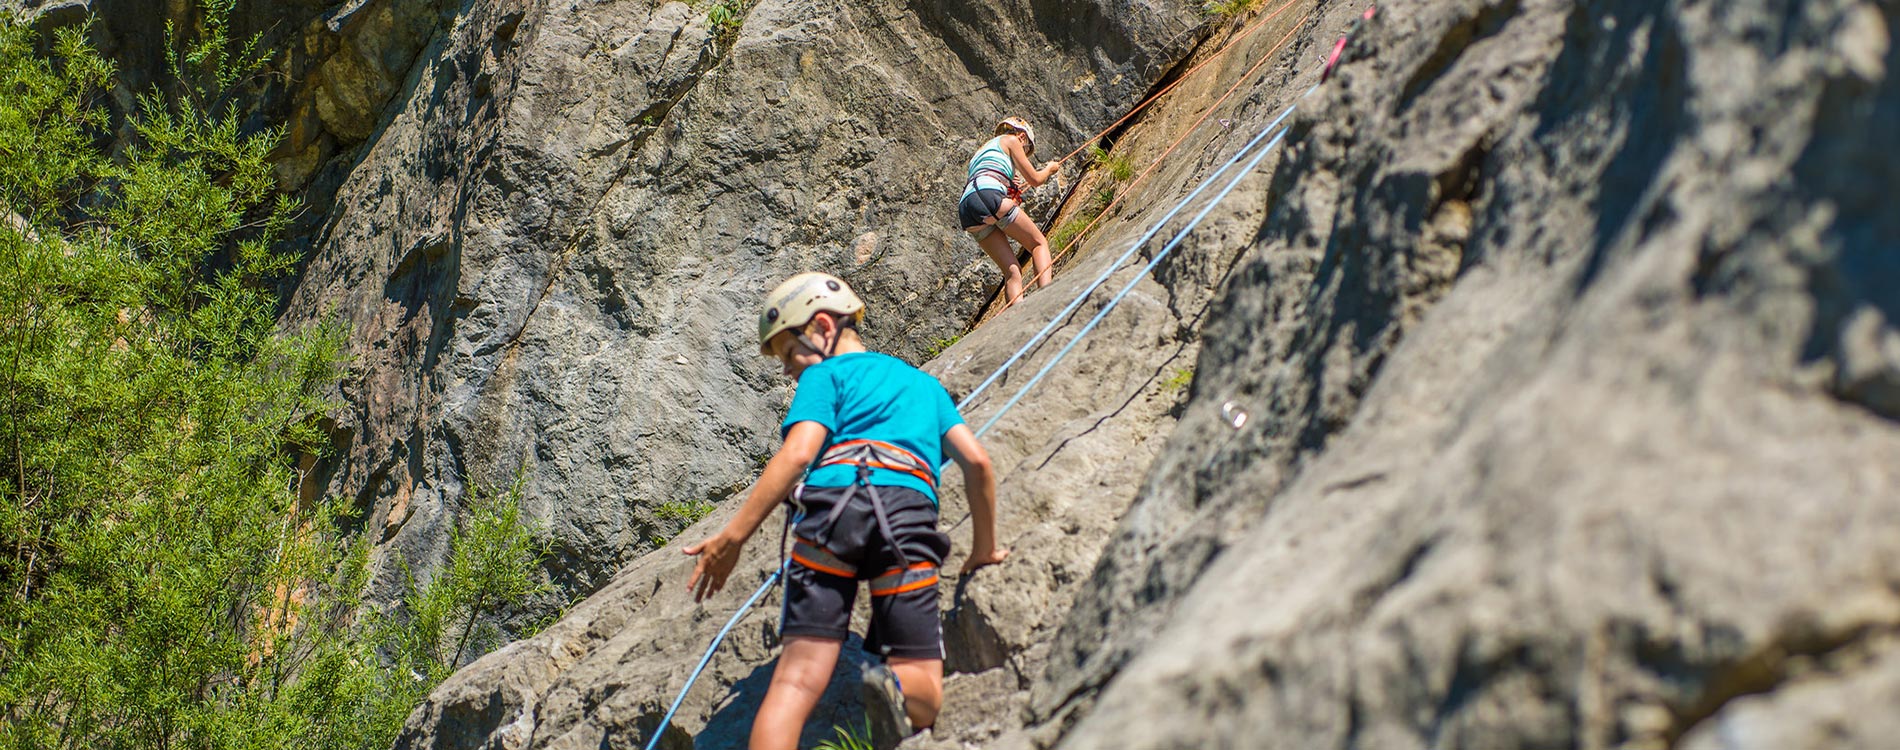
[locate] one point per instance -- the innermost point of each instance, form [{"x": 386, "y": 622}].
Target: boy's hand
[
  {"x": 991, "y": 557},
  {"x": 717, "y": 556}
]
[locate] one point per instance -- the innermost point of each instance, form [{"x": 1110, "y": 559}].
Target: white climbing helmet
[
  {"x": 798, "y": 299},
  {"x": 1020, "y": 125}
]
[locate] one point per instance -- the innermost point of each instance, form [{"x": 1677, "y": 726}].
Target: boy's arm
[
  {"x": 720, "y": 552},
  {"x": 979, "y": 487}
]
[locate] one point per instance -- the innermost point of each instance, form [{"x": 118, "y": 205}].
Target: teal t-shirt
[
  {"x": 979, "y": 174},
  {"x": 866, "y": 395}
]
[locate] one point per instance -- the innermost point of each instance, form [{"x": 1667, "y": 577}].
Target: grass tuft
[
  {"x": 937, "y": 347},
  {"x": 1178, "y": 381},
  {"x": 1118, "y": 168},
  {"x": 848, "y": 737},
  {"x": 1069, "y": 230},
  {"x": 725, "y": 16},
  {"x": 1227, "y": 8}
]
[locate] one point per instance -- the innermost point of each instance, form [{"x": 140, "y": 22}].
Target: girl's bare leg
[
  {"x": 1024, "y": 231},
  {"x": 996, "y": 245}
]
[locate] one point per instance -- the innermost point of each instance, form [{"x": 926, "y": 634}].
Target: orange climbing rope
[
  {"x": 1251, "y": 28},
  {"x": 1106, "y": 210}
]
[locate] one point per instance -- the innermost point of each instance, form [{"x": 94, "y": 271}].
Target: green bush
[
  {"x": 160, "y": 584},
  {"x": 493, "y": 557},
  {"x": 1119, "y": 168},
  {"x": 725, "y": 16},
  {"x": 1072, "y": 229}
]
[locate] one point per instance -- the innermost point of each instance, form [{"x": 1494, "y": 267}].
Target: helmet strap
[
  {"x": 814, "y": 347},
  {"x": 831, "y": 348}
]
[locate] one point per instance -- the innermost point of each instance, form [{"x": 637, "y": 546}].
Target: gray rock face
[
  {"x": 551, "y": 247},
  {"x": 1071, "y": 454},
  {"x": 1546, "y": 395},
  {"x": 1566, "y": 344}
]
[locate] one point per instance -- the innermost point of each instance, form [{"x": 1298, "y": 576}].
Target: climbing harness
[
  {"x": 909, "y": 577},
  {"x": 1159, "y": 256},
  {"x": 878, "y": 454},
  {"x": 815, "y": 552},
  {"x": 1011, "y": 190},
  {"x": 1116, "y": 266},
  {"x": 1146, "y": 173}
]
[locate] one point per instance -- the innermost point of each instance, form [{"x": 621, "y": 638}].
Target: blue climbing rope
[
  {"x": 1116, "y": 300},
  {"x": 654, "y": 741},
  {"x": 1116, "y": 266},
  {"x": 660, "y": 729}
]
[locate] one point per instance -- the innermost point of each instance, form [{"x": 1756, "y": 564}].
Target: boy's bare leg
[
  {"x": 922, "y": 681},
  {"x": 797, "y": 682}
]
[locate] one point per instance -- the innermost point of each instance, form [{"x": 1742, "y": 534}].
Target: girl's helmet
[
  {"x": 1019, "y": 125},
  {"x": 800, "y": 298}
]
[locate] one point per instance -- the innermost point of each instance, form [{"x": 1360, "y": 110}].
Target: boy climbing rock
[{"x": 866, "y": 432}]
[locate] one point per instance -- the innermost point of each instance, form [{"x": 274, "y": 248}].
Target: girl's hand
[{"x": 1052, "y": 167}]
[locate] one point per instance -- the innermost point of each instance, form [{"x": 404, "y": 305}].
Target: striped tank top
[{"x": 989, "y": 160}]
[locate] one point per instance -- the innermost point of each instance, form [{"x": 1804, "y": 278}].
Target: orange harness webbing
[
  {"x": 878, "y": 454},
  {"x": 866, "y": 455}
]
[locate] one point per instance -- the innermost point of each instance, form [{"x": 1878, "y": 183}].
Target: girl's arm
[{"x": 1014, "y": 146}]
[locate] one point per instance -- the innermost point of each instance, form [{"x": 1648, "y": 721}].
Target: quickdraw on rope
[{"x": 1332, "y": 60}]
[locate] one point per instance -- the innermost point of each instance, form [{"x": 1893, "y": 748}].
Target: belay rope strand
[
  {"x": 659, "y": 730},
  {"x": 1159, "y": 256},
  {"x": 1076, "y": 241},
  {"x": 1251, "y": 28},
  {"x": 771, "y": 580},
  {"x": 778, "y": 574},
  {"x": 1116, "y": 266}
]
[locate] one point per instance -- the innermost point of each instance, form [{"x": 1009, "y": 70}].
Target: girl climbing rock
[{"x": 992, "y": 199}]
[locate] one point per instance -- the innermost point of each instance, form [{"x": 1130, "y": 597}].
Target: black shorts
[
  {"x": 818, "y": 603},
  {"x": 979, "y": 206}
]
